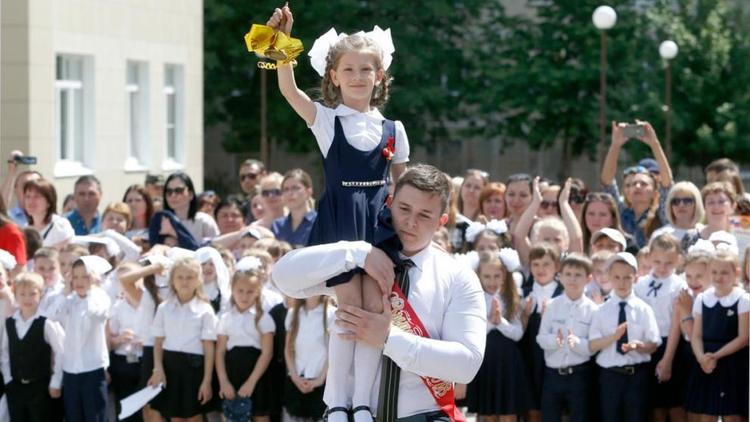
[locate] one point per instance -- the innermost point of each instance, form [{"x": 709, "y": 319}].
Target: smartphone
[
  {"x": 25, "y": 159},
  {"x": 634, "y": 131}
]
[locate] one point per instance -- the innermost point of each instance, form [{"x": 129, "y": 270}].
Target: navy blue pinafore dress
[{"x": 355, "y": 193}]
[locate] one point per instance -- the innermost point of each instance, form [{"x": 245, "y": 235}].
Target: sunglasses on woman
[{"x": 683, "y": 201}]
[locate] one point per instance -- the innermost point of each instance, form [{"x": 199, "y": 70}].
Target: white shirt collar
[
  {"x": 710, "y": 298},
  {"x": 17, "y": 315},
  {"x": 250, "y": 310},
  {"x": 548, "y": 288},
  {"x": 571, "y": 301},
  {"x": 193, "y": 304},
  {"x": 614, "y": 297},
  {"x": 342, "y": 110}
]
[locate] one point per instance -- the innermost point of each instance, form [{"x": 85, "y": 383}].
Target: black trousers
[
  {"x": 569, "y": 388},
  {"x": 623, "y": 393},
  {"x": 29, "y": 402}
]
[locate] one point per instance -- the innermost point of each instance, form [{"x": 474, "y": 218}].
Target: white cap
[
  {"x": 7, "y": 260},
  {"x": 95, "y": 265},
  {"x": 611, "y": 233},
  {"x": 624, "y": 257},
  {"x": 723, "y": 237}
]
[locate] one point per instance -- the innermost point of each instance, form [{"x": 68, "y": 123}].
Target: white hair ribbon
[
  {"x": 319, "y": 51},
  {"x": 510, "y": 259},
  {"x": 497, "y": 226},
  {"x": 249, "y": 263}
]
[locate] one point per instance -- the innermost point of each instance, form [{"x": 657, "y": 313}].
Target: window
[
  {"x": 136, "y": 119},
  {"x": 174, "y": 125},
  {"x": 73, "y": 113}
]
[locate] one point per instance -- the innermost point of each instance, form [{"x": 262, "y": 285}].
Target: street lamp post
[
  {"x": 668, "y": 50},
  {"x": 604, "y": 18}
]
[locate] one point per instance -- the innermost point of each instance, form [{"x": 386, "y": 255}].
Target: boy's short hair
[
  {"x": 541, "y": 250},
  {"x": 75, "y": 249},
  {"x": 577, "y": 260},
  {"x": 428, "y": 179},
  {"x": 27, "y": 279},
  {"x": 46, "y": 252},
  {"x": 665, "y": 242}
]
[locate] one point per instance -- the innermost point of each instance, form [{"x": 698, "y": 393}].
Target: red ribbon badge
[
  {"x": 390, "y": 148},
  {"x": 406, "y": 319}
]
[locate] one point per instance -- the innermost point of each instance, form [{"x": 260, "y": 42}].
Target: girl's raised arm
[{"x": 282, "y": 20}]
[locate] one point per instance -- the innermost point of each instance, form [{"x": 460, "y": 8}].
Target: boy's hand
[
  {"x": 55, "y": 393},
  {"x": 560, "y": 339},
  {"x": 528, "y": 308},
  {"x": 633, "y": 345},
  {"x": 573, "y": 339},
  {"x": 380, "y": 267}
]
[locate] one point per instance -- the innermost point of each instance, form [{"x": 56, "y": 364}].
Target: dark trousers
[
  {"x": 623, "y": 394},
  {"x": 570, "y": 389},
  {"x": 85, "y": 396},
  {"x": 125, "y": 379},
  {"x": 29, "y": 402}
]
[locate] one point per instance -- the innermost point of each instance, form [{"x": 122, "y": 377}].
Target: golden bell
[{"x": 275, "y": 54}]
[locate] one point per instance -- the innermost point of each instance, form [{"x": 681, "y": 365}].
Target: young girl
[
  {"x": 500, "y": 391},
  {"x": 245, "y": 344},
  {"x": 84, "y": 316},
  {"x": 185, "y": 330},
  {"x": 306, "y": 353},
  {"x": 544, "y": 262},
  {"x": 720, "y": 344},
  {"x": 215, "y": 278},
  {"x": 125, "y": 336},
  {"x": 359, "y": 146}
]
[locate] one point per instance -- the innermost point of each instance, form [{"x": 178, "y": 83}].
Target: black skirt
[
  {"x": 303, "y": 405},
  {"x": 147, "y": 369},
  {"x": 500, "y": 387},
  {"x": 722, "y": 392},
  {"x": 184, "y": 373},
  {"x": 671, "y": 393},
  {"x": 240, "y": 362}
]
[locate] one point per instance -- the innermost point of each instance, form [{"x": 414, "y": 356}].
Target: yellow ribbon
[{"x": 266, "y": 42}]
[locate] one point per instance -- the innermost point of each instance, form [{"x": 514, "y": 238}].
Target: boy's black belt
[
  {"x": 570, "y": 370},
  {"x": 627, "y": 369}
]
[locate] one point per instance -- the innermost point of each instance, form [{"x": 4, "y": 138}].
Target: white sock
[
  {"x": 366, "y": 364},
  {"x": 340, "y": 358}
]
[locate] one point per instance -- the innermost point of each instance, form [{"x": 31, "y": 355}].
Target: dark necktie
[
  {"x": 620, "y": 319},
  {"x": 653, "y": 287},
  {"x": 390, "y": 374}
]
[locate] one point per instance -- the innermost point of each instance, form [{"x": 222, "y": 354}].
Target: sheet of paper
[{"x": 136, "y": 401}]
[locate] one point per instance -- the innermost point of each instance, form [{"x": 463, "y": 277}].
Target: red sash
[{"x": 406, "y": 319}]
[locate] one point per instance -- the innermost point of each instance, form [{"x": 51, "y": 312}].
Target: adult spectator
[
  {"x": 600, "y": 211},
  {"x": 180, "y": 198},
  {"x": 11, "y": 237},
  {"x": 685, "y": 210},
  {"x": 141, "y": 211},
  {"x": 643, "y": 209},
  {"x": 719, "y": 201},
  {"x": 13, "y": 183},
  {"x": 550, "y": 206},
  {"x": 228, "y": 214},
  {"x": 726, "y": 170},
  {"x": 578, "y": 192},
  {"x": 296, "y": 193},
  {"x": 40, "y": 202},
  {"x": 251, "y": 172},
  {"x": 270, "y": 197},
  {"x": 517, "y": 197},
  {"x": 468, "y": 196},
  {"x": 207, "y": 202},
  {"x": 154, "y": 185},
  {"x": 85, "y": 218},
  {"x": 492, "y": 201}
]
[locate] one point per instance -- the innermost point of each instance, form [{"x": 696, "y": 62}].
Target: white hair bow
[
  {"x": 319, "y": 51},
  {"x": 702, "y": 245},
  {"x": 510, "y": 259},
  {"x": 497, "y": 226},
  {"x": 249, "y": 263}
]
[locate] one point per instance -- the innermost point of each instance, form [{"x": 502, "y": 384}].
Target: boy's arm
[
  {"x": 546, "y": 338},
  {"x": 55, "y": 337}
]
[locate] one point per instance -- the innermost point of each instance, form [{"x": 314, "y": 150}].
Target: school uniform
[
  {"x": 53, "y": 298},
  {"x": 32, "y": 352},
  {"x": 125, "y": 360},
  {"x": 184, "y": 327},
  {"x": 86, "y": 355},
  {"x": 725, "y": 390},
  {"x": 661, "y": 294},
  {"x": 244, "y": 341},
  {"x": 569, "y": 373},
  {"x": 500, "y": 386},
  {"x": 310, "y": 357},
  {"x": 623, "y": 377},
  {"x": 533, "y": 354}
]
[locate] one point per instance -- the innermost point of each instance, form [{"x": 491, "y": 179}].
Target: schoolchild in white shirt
[
  {"x": 660, "y": 289},
  {"x": 244, "y": 346},
  {"x": 84, "y": 316},
  {"x": 563, "y": 335},
  {"x": 215, "y": 278},
  {"x": 32, "y": 347},
  {"x": 625, "y": 333},
  {"x": 185, "y": 331},
  {"x": 47, "y": 264}
]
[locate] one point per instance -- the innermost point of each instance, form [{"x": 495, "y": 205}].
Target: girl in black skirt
[
  {"x": 499, "y": 392},
  {"x": 245, "y": 341},
  {"x": 306, "y": 354},
  {"x": 184, "y": 332},
  {"x": 720, "y": 344}
]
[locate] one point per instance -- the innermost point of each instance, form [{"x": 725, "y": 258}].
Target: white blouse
[
  {"x": 184, "y": 326},
  {"x": 240, "y": 329},
  {"x": 311, "y": 343}
]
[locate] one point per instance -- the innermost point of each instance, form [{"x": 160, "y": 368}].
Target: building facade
[{"x": 104, "y": 87}]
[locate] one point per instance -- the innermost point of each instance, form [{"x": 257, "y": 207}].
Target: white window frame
[
  {"x": 137, "y": 109},
  {"x": 76, "y": 157},
  {"x": 174, "y": 90}
]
